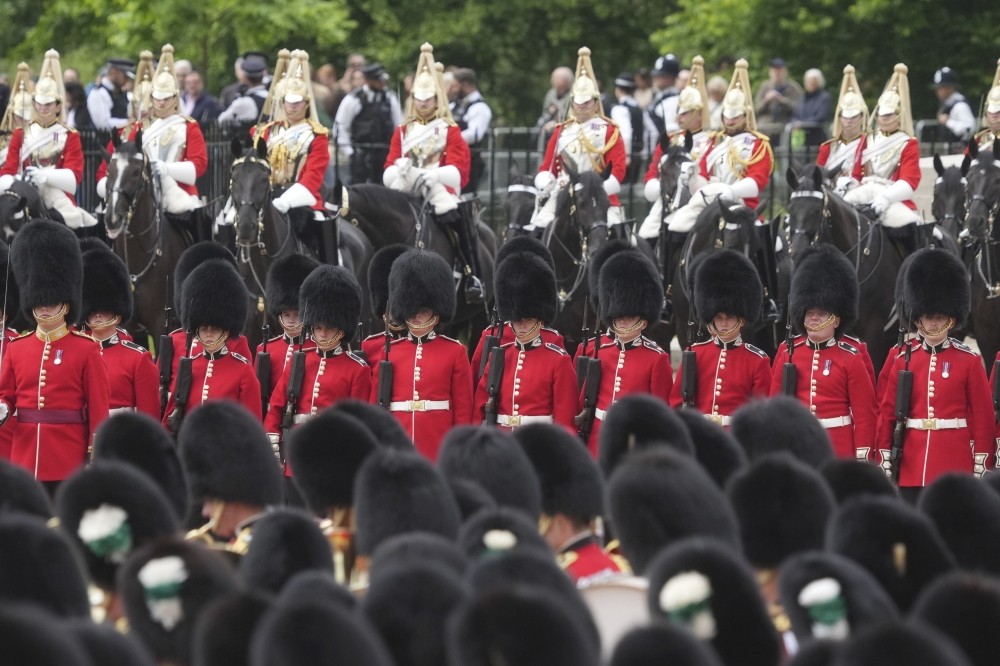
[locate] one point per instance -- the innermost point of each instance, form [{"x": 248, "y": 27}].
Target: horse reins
[
  {"x": 583, "y": 260},
  {"x": 133, "y": 200}
]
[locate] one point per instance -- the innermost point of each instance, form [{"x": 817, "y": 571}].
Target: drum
[{"x": 618, "y": 605}]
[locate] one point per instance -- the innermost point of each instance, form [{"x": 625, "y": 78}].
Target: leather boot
[{"x": 471, "y": 285}]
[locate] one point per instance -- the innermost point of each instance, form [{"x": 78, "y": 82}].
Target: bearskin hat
[
  {"x": 630, "y": 286},
  {"x": 397, "y": 492},
  {"x": 284, "y": 279},
  {"x": 816, "y": 653},
  {"x": 331, "y": 296},
  {"x": 189, "y": 260},
  {"x": 525, "y": 288},
  {"x": 107, "y": 646},
  {"x": 165, "y": 586},
  {"x": 20, "y": 492},
  {"x": 404, "y": 549},
  {"x": 781, "y": 423},
  {"x": 892, "y": 540},
  {"x": 285, "y": 542},
  {"x": 141, "y": 441},
  {"x": 596, "y": 263},
  {"x": 659, "y": 497},
  {"x": 227, "y": 456},
  {"x": 39, "y": 565},
  {"x": 570, "y": 480},
  {"x": 524, "y": 244},
  {"x": 727, "y": 282},
  {"x": 106, "y": 284},
  {"x": 965, "y": 511},
  {"x": 48, "y": 268},
  {"x": 378, "y": 276},
  {"x": 704, "y": 586},
  {"x": 470, "y": 496},
  {"x": 214, "y": 295},
  {"x": 494, "y": 531},
  {"x": 32, "y": 636},
  {"x": 662, "y": 644},
  {"x": 388, "y": 432},
  {"x": 966, "y": 608},
  {"x": 11, "y": 299},
  {"x": 492, "y": 458},
  {"x": 899, "y": 293},
  {"x": 782, "y": 507},
  {"x": 824, "y": 279},
  {"x": 421, "y": 280},
  {"x": 110, "y": 509},
  {"x": 639, "y": 421},
  {"x": 717, "y": 450},
  {"x": 314, "y": 585},
  {"x": 851, "y": 478},
  {"x": 900, "y": 643},
  {"x": 814, "y": 585},
  {"x": 937, "y": 283},
  {"x": 226, "y": 628},
  {"x": 326, "y": 453}
]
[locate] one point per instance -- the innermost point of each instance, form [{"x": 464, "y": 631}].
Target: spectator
[
  {"x": 450, "y": 86},
  {"x": 556, "y": 100},
  {"x": 108, "y": 102},
  {"x": 355, "y": 63},
  {"x": 814, "y": 107},
  {"x": 683, "y": 77},
  {"x": 70, "y": 75},
  {"x": 628, "y": 115},
  {"x": 233, "y": 90},
  {"x": 181, "y": 69},
  {"x": 776, "y": 101},
  {"x": 357, "y": 79},
  {"x": 643, "y": 87},
  {"x": 473, "y": 116},
  {"x": 955, "y": 117},
  {"x": 246, "y": 109},
  {"x": 716, "y": 87},
  {"x": 365, "y": 122},
  {"x": 665, "y": 72},
  {"x": 326, "y": 75},
  {"x": 77, "y": 115},
  {"x": 196, "y": 103}
]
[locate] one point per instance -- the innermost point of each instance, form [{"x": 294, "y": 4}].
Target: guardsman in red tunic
[
  {"x": 432, "y": 383},
  {"x": 215, "y": 301},
  {"x": 730, "y": 372},
  {"x": 587, "y": 141},
  {"x": 537, "y": 383},
  {"x": 107, "y": 301},
  {"x": 8, "y": 310},
  {"x": 429, "y": 157},
  {"x": 841, "y": 156},
  {"x": 48, "y": 153},
  {"x": 832, "y": 379},
  {"x": 284, "y": 279},
  {"x": 630, "y": 297},
  {"x": 572, "y": 502},
  {"x": 950, "y": 426},
  {"x": 53, "y": 378},
  {"x": 373, "y": 347}
]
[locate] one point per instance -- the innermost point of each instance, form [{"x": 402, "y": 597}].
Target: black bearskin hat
[
  {"x": 525, "y": 289},
  {"x": 850, "y": 478},
  {"x": 378, "y": 276},
  {"x": 189, "y": 260},
  {"x": 662, "y": 644},
  {"x": 421, "y": 280},
  {"x": 639, "y": 421},
  {"x": 226, "y": 628},
  {"x": 285, "y": 542},
  {"x": 824, "y": 279},
  {"x": 48, "y": 268},
  {"x": 315, "y": 585},
  {"x": 107, "y": 646},
  {"x": 106, "y": 284},
  {"x": 570, "y": 480},
  {"x": 717, "y": 450},
  {"x": 388, "y": 432},
  {"x": 32, "y": 636},
  {"x": 227, "y": 456},
  {"x": 524, "y": 244},
  {"x": 965, "y": 607},
  {"x": 778, "y": 424},
  {"x": 727, "y": 282},
  {"x": 20, "y": 492},
  {"x": 470, "y": 496},
  {"x": 331, "y": 296},
  {"x": 630, "y": 286},
  {"x": 284, "y": 278},
  {"x": 214, "y": 295},
  {"x": 937, "y": 283},
  {"x": 493, "y": 531},
  {"x": 596, "y": 263},
  {"x": 404, "y": 549},
  {"x": 8, "y": 286},
  {"x": 966, "y": 512},
  {"x": 900, "y": 643}
]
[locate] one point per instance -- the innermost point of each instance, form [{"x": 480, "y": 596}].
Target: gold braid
[
  {"x": 591, "y": 150},
  {"x": 762, "y": 151}
]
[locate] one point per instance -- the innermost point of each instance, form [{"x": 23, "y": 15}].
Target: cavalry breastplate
[
  {"x": 985, "y": 140},
  {"x": 728, "y": 158},
  {"x": 165, "y": 138},
  {"x": 842, "y": 156},
  {"x": 581, "y": 147},
  {"x": 43, "y": 146},
  {"x": 883, "y": 154},
  {"x": 698, "y": 142},
  {"x": 287, "y": 149},
  {"x": 425, "y": 144}
]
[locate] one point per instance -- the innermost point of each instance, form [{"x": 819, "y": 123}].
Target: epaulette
[
  {"x": 961, "y": 346},
  {"x": 270, "y": 340},
  {"x": 398, "y": 340},
  {"x": 848, "y": 347},
  {"x": 506, "y": 344},
  {"x": 128, "y": 344},
  {"x": 357, "y": 359},
  {"x": 239, "y": 357},
  {"x": 551, "y": 330},
  {"x": 376, "y": 335},
  {"x": 567, "y": 559},
  {"x": 317, "y": 128},
  {"x": 445, "y": 337},
  {"x": 649, "y": 344},
  {"x": 755, "y": 350},
  {"x": 761, "y": 136},
  {"x": 84, "y": 335},
  {"x": 187, "y": 119},
  {"x": 608, "y": 344},
  {"x": 22, "y": 336},
  {"x": 623, "y": 565},
  {"x": 828, "y": 142},
  {"x": 556, "y": 348},
  {"x": 72, "y": 130}
]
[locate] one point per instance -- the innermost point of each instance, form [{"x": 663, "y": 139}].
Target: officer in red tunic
[
  {"x": 730, "y": 372},
  {"x": 841, "y": 155},
  {"x": 107, "y": 301},
  {"x": 537, "y": 382},
  {"x": 11, "y": 305},
  {"x": 53, "y": 378},
  {"x": 572, "y": 503},
  {"x": 215, "y": 305},
  {"x": 832, "y": 379},
  {"x": 373, "y": 347},
  {"x": 950, "y": 426},
  {"x": 631, "y": 296},
  {"x": 432, "y": 382}
]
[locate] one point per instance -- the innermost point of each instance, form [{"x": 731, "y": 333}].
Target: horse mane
[
  {"x": 127, "y": 148},
  {"x": 370, "y": 194}
]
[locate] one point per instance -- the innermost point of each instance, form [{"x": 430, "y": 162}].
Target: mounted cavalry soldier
[
  {"x": 47, "y": 153},
  {"x": 17, "y": 115},
  {"x": 841, "y": 155},
  {"x": 587, "y": 141},
  {"x": 991, "y": 116}
]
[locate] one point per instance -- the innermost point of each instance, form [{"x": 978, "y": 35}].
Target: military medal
[
  {"x": 826, "y": 368},
  {"x": 59, "y": 353},
  {"x": 947, "y": 366}
]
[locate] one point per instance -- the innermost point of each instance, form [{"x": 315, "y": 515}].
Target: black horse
[
  {"x": 141, "y": 235},
  {"x": 983, "y": 196},
  {"x": 19, "y": 204},
  {"x": 948, "y": 205},
  {"x": 519, "y": 205}
]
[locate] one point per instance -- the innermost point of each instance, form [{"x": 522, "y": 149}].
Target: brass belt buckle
[
  {"x": 715, "y": 418},
  {"x": 513, "y": 421},
  {"x": 929, "y": 424},
  {"x": 417, "y": 406}
]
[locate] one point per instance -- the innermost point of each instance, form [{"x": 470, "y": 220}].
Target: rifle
[
  {"x": 996, "y": 390},
  {"x": 490, "y": 342},
  {"x": 165, "y": 360},
  {"x": 904, "y": 387},
  {"x": 385, "y": 372},
  {"x": 264, "y": 370},
  {"x": 689, "y": 377},
  {"x": 789, "y": 373},
  {"x": 493, "y": 385},
  {"x": 592, "y": 385},
  {"x": 293, "y": 393},
  {"x": 182, "y": 390},
  {"x": 581, "y": 359}
]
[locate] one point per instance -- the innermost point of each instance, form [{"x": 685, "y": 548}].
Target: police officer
[
  {"x": 665, "y": 72},
  {"x": 955, "y": 116},
  {"x": 108, "y": 103},
  {"x": 364, "y": 125},
  {"x": 631, "y": 122},
  {"x": 246, "y": 109},
  {"x": 473, "y": 116}
]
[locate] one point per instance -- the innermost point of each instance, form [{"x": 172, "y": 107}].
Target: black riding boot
[
  {"x": 329, "y": 241},
  {"x": 766, "y": 264},
  {"x": 673, "y": 243},
  {"x": 926, "y": 235},
  {"x": 472, "y": 286}
]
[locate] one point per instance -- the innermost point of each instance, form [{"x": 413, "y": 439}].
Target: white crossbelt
[
  {"x": 299, "y": 419},
  {"x": 836, "y": 421},
  {"x": 936, "y": 424},
  {"x": 514, "y": 421},
  {"x": 419, "y": 405},
  {"x": 120, "y": 410},
  {"x": 719, "y": 419}
]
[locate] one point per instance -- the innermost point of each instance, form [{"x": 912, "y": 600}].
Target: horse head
[
  {"x": 807, "y": 218},
  {"x": 671, "y": 167},
  {"x": 948, "y": 205},
  {"x": 588, "y": 206},
  {"x": 250, "y": 189},
  {"x": 521, "y": 195},
  {"x": 735, "y": 228},
  {"x": 18, "y": 205},
  {"x": 128, "y": 180},
  {"x": 983, "y": 192}
]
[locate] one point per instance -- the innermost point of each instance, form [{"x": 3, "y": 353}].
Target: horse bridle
[
  {"x": 984, "y": 255},
  {"x": 861, "y": 248},
  {"x": 668, "y": 199},
  {"x": 583, "y": 260},
  {"x": 132, "y": 199},
  {"x": 22, "y": 211},
  {"x": 258, "y": 209}
]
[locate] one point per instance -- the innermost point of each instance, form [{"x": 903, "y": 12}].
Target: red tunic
[
  {"x": 430, "y": 369},
  {"x": 329, "y": 376},
  {"x": 538, "y": 380},
  {"x": 759, "y": 171},
  {"x": 640, "y": 366},
  {"x": 584, "y": 559},
  {"x": 194, "y": 152},
  {"x": 224, "y": 375},
  {"x": 455, "y": 153},
  {"x": 834, "y": 383},
  {"x": 132, "y": 376},
  {"x": 653, "y": 172},
  {"x": 7, "y": 434},
  {"x": 237, "y": 344},
  {"x": 729, "y": 375},
  {"x": 281, "y": 348},
  {"x": 374, "y": 348},
  {"x": 883, "y": 375},
  {"x": 824, "y": 155},
  {"x": 949, "y": 383},
  {"x": 67, "y": 379},
  {"x": 309, "y": 175},
  {"x": 70, "y": 158},
  {"x": 614, "y": 155},
  {"x": 550, "y": 335}
]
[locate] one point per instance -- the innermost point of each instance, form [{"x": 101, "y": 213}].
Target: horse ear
[
  {"x": 965, "y": 165},
  {"x": 791, "y": 178},
  {"x": 974, "y": 148},
  {"x": 830, "y": 175},
  {"x": 724, "y": 210},
  {"x": 116, "y": 140},
  {"x": 515, "y": 171},
  {"x": 262, "y": 149},
  {"x": 817, "y": 175},
  {"x": 688, "y": 141},
  {"x": 938, "y": 165},
  {"x": 236, "y": 146},
  {"x": 138, "y": 139}
]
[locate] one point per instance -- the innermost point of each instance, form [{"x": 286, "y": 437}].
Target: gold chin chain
[
  {"x": 631, "y": 329},
  {"x": 813, "y": 329},
  {"x": 51, "y": 318},
  {"x": 215, "y": 346},
  {"x": 530, "y": 335},
  {"x": 433, "y": 321},
  {"x": 950, "y": 324},
  {"x": 100, "y": 326},
  {"x": 327, "y": 345},
  {"x": 725, "y": 335}
]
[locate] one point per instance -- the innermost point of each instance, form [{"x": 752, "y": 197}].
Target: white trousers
[{"x": 896, "y": 215}]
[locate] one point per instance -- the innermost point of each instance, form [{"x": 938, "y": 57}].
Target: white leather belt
[
  {"x": 720, "y": 419},
  {"x": 936, "y": 424},
  {"x": 301, "y": 418},
  {"x": 599, "y": 414},
  {"x": 836, "y": 421},
  {"x": 419, "y": 405},
  {"x": 120, "y": 410},
  {"x": 514, "y": 421}
]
